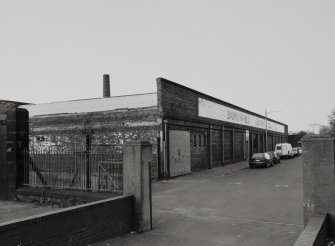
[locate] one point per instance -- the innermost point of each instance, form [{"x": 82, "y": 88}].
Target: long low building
[{"x": 189, "y": 130}]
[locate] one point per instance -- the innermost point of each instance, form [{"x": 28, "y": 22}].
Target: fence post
[{"x": 137, "y": 157}]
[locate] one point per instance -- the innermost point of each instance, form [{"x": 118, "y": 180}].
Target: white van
[{"x": 284, "y": 150}]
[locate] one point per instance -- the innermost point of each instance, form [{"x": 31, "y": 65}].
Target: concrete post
[
  {"x": 137, "y": 157},
  {"x": 318, "y": 175}
]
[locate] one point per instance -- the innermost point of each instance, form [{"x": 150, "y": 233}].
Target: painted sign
[{"x": 217, "y": 111}]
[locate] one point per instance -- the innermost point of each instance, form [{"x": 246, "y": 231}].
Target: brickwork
[
  {"x": 78, "y": 225},
  {"x": 177, "y": 101},
  {"x": 179, "y": 105},
  {"x": 6, "y": 106}
]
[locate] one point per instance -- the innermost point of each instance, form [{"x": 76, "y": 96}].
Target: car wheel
[
  {"x": 268, "y": 165},
  {"x": 278, "y": 161},
  {"x": 251, "y": 166}
]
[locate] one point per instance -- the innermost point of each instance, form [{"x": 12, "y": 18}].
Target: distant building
[{"x": 189, "y": 130}]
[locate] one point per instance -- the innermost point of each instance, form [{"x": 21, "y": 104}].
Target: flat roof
[{"x": 93, "y": 105}]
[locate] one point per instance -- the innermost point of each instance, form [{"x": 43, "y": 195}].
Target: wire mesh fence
[{"x": 99, "y": 169}]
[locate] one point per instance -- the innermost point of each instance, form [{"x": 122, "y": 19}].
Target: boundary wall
[{"x": 78, "y": 225}]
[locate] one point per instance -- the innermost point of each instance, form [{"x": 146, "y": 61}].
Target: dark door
[
  {"x": 199, "y": 153},
  {"x": 228, "y": 142}
]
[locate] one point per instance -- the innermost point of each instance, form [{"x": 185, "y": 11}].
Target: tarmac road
[{"x": 256, "y": 207}]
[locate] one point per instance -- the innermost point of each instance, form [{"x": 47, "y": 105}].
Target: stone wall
[
  {"x": 68, "y": 131},
  {"x": 318, "y": 175}
]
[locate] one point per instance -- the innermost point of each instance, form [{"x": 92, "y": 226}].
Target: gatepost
[
  {"x": 137, "y": 157},
  {"x": 318, "y": 175}
]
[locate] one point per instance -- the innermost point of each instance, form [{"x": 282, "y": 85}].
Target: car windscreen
[
  {"x": 270, "y": 153},
  {"x": 258, "y": 156},
  {"x": 278, "y": 147}
]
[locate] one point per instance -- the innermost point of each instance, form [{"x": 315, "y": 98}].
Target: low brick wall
[
  {"x": 78, "y": 225},
  {"x": 315, "y": 233}
]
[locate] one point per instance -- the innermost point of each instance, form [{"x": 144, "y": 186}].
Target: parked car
[
  {"x": 295, "y": 151},
  {"x": 274, "y": 156},
  {"x": 260, "y": 159},
  {"x": 284, "y": 150}
]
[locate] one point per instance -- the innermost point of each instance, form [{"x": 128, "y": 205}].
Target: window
[{"x": 200, "y": 140}]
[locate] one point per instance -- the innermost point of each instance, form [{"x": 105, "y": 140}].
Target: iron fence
[{"x": 99, "y": 169}]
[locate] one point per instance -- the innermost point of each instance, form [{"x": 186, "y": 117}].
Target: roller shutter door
[
  {"x": 238, "y": 146},
  {"x": 228, "y": 137},
  {"x": 216, "y": 148}
]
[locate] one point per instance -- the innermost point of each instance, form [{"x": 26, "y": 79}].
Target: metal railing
[{"x": 95, "y": 170}]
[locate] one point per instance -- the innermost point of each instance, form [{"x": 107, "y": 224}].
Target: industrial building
[{"x": 189, "y": 130}]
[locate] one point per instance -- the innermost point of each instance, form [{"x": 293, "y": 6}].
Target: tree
[
  {"x": 325, "y": 129},
  {"x": 331, "y": 120},
  {"x": 330, "y": 128},
  {"x": 302, "y": 133}
]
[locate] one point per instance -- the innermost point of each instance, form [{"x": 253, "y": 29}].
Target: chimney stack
[{"x": 106, "y": 91}]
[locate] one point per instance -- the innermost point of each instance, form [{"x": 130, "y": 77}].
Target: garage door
[
  {"x": 228, "y": 139},
  {"x": 238, "y": 145},
  {"x": 179, "y": 152}
]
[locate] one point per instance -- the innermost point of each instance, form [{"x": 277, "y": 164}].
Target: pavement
[{"x": 229, "y": 205}]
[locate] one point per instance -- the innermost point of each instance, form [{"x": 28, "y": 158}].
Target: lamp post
[{"x": 266, "y": 127}]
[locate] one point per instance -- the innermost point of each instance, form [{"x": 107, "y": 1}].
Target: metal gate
[
  {"x": 74, "y": 169},
  {"x": 179, "y": 152}
]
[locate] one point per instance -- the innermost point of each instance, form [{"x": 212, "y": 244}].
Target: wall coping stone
[
  {"x": 58, "y": 213},
  {"x": 315, "y": 232}
]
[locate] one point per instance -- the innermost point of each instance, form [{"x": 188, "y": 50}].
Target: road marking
[
  {"x": 209, "y": 217},
  {"x": 281, "y": 186}
]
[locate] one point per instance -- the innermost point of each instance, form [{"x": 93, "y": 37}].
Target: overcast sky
[{"x": 257, "y": 54}]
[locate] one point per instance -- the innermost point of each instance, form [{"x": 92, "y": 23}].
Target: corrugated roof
[{"x": 93, "y": 105}]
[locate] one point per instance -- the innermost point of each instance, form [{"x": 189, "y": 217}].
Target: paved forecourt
[{"x": 226, "y": 206}]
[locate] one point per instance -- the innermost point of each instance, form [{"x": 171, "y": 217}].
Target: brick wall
[
  {"x": 78, "y": 225},
  {"x": 177, "y": 101},
  {"x": 179, "y": 105}
]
